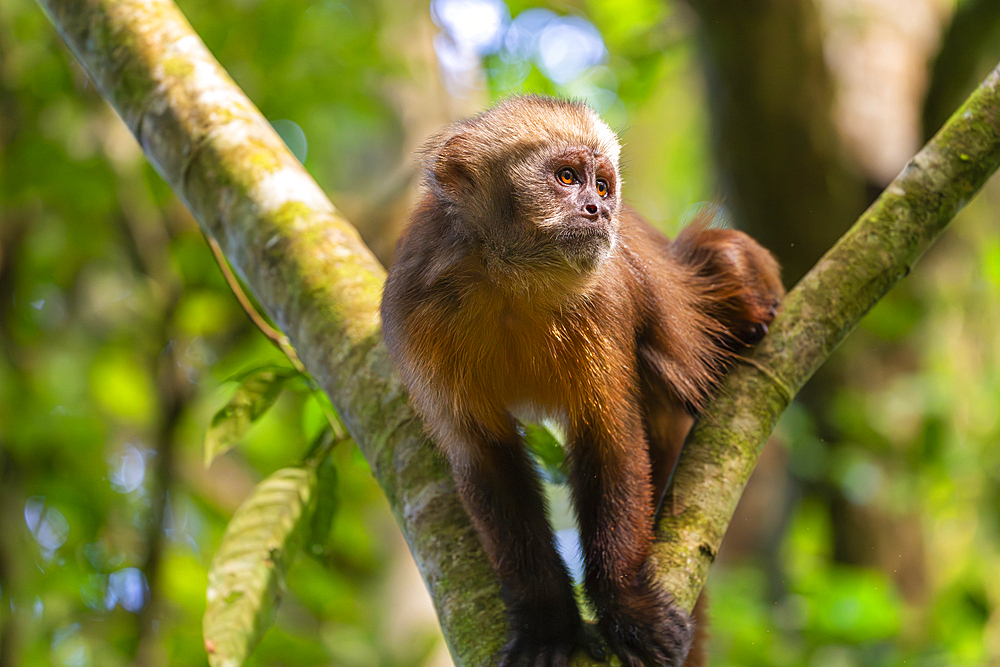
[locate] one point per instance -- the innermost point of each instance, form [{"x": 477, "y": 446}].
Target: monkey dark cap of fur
[{"x": 524, "y": 289}]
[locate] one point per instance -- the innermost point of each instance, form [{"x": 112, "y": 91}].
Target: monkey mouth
[
  {"x": 586, "y": 245},
  {"x": 585, "y": 232}
]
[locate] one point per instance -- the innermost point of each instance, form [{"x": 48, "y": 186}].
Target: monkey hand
[
  {"x": 647, "y": 628},
  {"x": 542, "y": 643}
]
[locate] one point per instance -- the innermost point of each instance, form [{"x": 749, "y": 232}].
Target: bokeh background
[{"x": 870, "y": 533}]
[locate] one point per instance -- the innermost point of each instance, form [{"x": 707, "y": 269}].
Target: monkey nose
[{"x": 591, "y": 209}]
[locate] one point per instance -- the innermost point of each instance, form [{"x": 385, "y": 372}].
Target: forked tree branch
[{"x": 321, "y": 286}]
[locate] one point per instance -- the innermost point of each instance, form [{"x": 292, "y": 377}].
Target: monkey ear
[{"x": 451, "y": 165}]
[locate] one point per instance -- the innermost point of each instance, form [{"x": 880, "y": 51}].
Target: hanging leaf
[
  {"x": 246, "y": 578},
  {"x": 326, "y": 505},
  {"x": 258, "y": 390},
  {"x": 319, "y": 458}
]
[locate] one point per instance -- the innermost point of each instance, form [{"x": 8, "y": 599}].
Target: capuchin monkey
[{"x": 524, "y": 289}]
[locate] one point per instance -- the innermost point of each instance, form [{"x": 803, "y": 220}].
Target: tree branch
[
  {"x": 321, "y": 285},
  {"x": 878, "y": 251},
  {"x": 306, "y": 265}
]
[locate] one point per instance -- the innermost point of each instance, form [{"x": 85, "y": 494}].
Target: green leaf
[
  {"x": 548, "y": 450},
  {"x": 247, "y": 574},
  {"x": 326, "y": 506},
  {"x": 258, "y": 391},
  {"x": 326, "y": 490}
]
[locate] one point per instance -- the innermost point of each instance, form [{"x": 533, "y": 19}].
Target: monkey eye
[
  {"x": 602, "y": 187},
  {"x": 566, "y": 176}
]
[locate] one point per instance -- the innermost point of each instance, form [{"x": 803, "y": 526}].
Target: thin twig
[{"x": 276, "y": 337}]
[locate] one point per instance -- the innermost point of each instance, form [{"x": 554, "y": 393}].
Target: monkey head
[{"x": 534, "y": 181}]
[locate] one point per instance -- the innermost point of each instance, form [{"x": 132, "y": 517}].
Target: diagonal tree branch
[
  {"x": 306, "y": 265},
  {"x": 826, "y": 305},
  {"x": 321, "y": 285}
]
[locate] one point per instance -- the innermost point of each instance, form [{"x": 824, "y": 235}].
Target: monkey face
[
  {"x": 581, "y": 195},
  {"x": 533, "y": 183}
]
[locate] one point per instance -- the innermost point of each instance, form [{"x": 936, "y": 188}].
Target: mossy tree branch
[
  {"x": 321, "y": 285},
  {"x": 826, "y": 305},
  {"x": 306, "y": 265}
]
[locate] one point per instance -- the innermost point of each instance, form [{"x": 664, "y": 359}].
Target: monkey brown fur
[{"x": 523, "y": 288}]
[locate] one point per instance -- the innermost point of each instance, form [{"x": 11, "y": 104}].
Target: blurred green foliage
[
  {"x": 107, "y": 290},
  {"x": 118, "y": 335}
]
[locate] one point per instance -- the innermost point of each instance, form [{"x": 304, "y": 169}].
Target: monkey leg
[
  {"x": 741, "y": 280},
  {"x": 667, "y": 422},
  {"x": 613, "y": 495},
  {"x": 497, "y": 484}
]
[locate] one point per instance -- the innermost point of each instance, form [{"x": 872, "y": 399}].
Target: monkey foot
[
  {"x": 650, "y": 633},
  {"x": 753, "y": 331},
  {"x": 532, "y": 651}
]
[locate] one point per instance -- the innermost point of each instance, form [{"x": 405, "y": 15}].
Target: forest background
[{"x": 871, "y": 528}]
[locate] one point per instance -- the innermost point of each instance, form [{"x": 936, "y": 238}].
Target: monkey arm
[
  {"x": 496, "y": 481},
  {"x": 610, "y": 469}
]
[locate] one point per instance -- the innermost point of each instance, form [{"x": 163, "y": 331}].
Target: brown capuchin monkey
[{"x": 524, "y": 289}]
